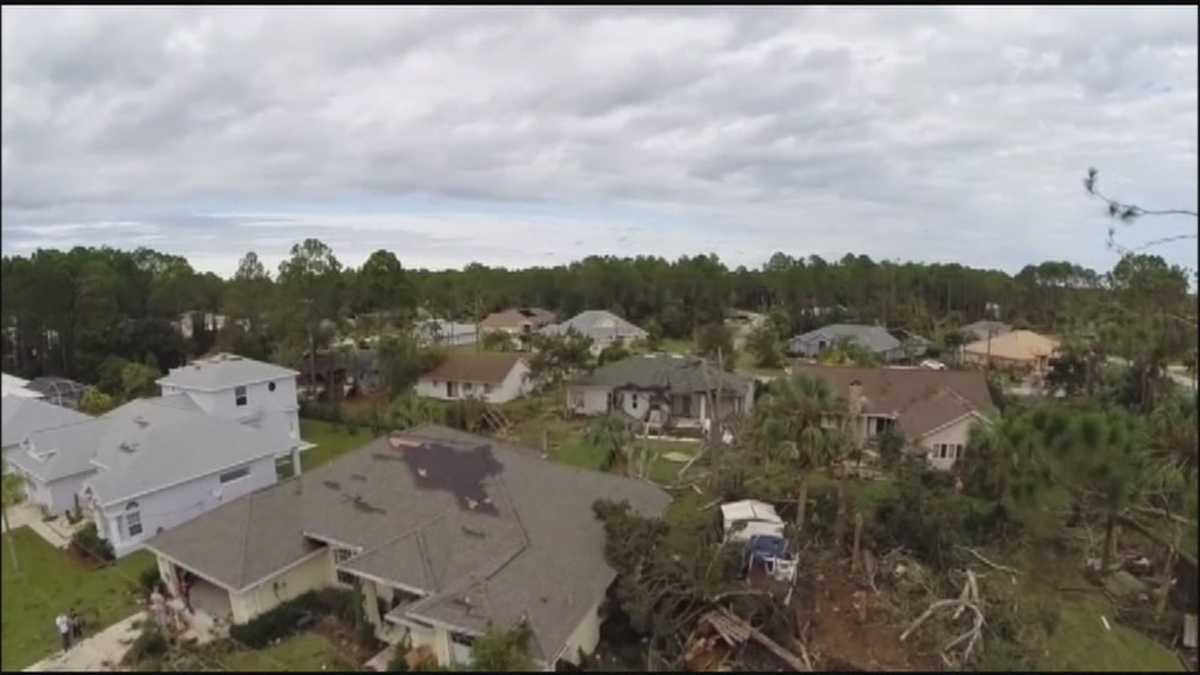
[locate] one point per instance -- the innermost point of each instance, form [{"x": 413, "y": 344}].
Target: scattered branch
[{"x": 989, "y": 563}]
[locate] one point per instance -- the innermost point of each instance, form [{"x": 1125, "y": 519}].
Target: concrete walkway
[
  {"x": 22, "y": 515},
  {"x": 102, "y": 651}
]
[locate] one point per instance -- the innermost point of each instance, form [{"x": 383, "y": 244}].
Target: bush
[
  {"x": 148, "y": 580},
  {"x": 281, "y": 622},
  {"x": 399, "y": 662},
  {"x": 87, "y": 542},
  {"x": 151, "y": 643}
]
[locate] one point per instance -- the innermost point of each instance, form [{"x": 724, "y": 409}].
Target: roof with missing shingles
[{"x": 502, "y": 535}]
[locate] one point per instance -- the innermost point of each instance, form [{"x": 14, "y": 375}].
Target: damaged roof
[
  {"x": 598, "y": 325},
  {"x": 535, "y": 317},
  {"x": 661, "y": 371},
  {"x": 487, "y": 532}
]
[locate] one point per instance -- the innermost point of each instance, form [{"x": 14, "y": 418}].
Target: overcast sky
[{"x": 537, "y": 136}]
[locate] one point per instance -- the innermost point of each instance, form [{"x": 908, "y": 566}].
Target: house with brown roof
[
  {"x": 443, "y": 532},
  {"x": 933, "y": 409},
  {"x": 1021, "y": 350},
  {"x": 518, "y": 321},
  {"x": 490, "y": 376}
]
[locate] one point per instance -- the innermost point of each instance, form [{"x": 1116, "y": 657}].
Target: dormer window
[{"x": 239, "y": 394}]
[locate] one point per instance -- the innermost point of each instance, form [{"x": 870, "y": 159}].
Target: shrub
[
  {"x": 149, "y": 644},
  {"x": 87, "y": 542},
  {"x": 281, "y": 621},
  {"x": 148, "y": 580},
  {"x": 399, "y": 661}
]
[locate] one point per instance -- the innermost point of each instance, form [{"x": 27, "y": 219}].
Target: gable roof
[
  {"x": 57, "y": 453},
  {"x": 485, "y": 367},
  {"x": 598, "y": 325},
  {"x": 20, "y": 417},
  {"x": 662, "y": 371},
  {"x": 921, "y": 399},
  {"x": 873, "y": 338},
  {"x": 1018, "y": 345},
  {"x": 149, "y": 444},
  {"x": 490, "y": 532},
  {"x": 517, "y": 317},
  {"x": 223, "y": 371}
]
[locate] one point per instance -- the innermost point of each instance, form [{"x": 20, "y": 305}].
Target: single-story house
[
  {"x": 980, "y": 330},
  {"x": 521, "y": 322},
  {"x": 442, "y": 332},
  {"x": 662, "y": 389},
  {"x": 491, "y": 376},
  {"x": 933, "y": 409},
  {"x": 146, "y": 466},
  {"x": 444, "y": 532},
  {"x": 874, "y": 339},
  {"x": 604, "y": 328},
  {"x": 15, "y": 386},
  {"x": 1021, "y": 350}
]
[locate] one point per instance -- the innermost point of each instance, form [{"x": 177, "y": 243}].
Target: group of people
[{"x": 69, "y": 628}]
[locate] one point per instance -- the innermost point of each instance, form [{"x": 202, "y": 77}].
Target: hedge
[{"x": 281, "y": 622}]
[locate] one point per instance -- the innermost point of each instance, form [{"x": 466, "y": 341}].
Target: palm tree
[{"x": 799, "y": 411}]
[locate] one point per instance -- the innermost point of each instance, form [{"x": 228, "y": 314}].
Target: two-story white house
[
  {"x": 254, "y": 393},
  {"x": 214, "y": 435}
]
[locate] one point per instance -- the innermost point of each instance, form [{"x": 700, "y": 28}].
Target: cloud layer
[{"x": 535, "y": 136}]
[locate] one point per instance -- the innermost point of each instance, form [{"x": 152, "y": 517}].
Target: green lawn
[
  {"x": 332, "y": 441},
  {"x": 676, "y": 346},
  {"x": 304, "y": 652},
  {"x": 49, "y": 582}
]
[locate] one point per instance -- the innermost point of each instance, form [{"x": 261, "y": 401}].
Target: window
[
  {"x": 133, "y": 519},
  {"x": 239, "y": 394},
  {"x": 635, "y": 396},
  {"x": 487, "y": 388},
  {"x": 461, "y": 639},
  {"x": 341, "y": 555},
  {"x": 467, "y": 386},
  {"x": 271, "y": 386},
  {"x": 230, "y": 476}
]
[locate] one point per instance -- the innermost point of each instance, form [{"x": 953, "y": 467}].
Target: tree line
[{"x": 64, "y": 313}]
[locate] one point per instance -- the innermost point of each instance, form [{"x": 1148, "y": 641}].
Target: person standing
[
  {"x": 76, "y": 625},
  {"x": 64, "y": 630},
  {"x": 186, "y": 583},
  {"x": 158, "y": 606}
]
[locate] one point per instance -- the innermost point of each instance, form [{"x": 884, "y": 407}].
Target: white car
[{"x": 933, "y": 364}]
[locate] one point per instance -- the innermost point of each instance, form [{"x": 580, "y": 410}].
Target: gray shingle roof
[
  {"x": 873, "y": 338},
  {"x": 21, "y": 416},
  {"x": 488, "y": 531},
  {"x": 679, "y": 374},
  {"x": 58, "y": 452},
  {"x": 150, "y": 443},
  {"x": 598, "y": 325},
  {"x": 223, "y": 371},
  {"x": 979, "y": 329}
]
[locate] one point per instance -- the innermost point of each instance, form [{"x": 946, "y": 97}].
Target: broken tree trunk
[
  {"x": 856, "y": 559},
  {"x": 969, "y": 599},
  {"x": 801, "y": 503}
]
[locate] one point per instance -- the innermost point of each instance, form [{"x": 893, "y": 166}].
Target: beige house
[
  {"x": 933, "y": 409},
  {"x": 520, "y": 322},
  {"x": 445, "y": 533},
  {"x": 492, "y": 377},
  {"x": 1020, "y": 350}
]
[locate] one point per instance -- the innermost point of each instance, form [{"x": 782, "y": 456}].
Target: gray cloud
[{"x": 930, "y": 134}]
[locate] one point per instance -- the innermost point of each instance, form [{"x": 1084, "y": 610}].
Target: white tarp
[{"x": 750, "y": 517}]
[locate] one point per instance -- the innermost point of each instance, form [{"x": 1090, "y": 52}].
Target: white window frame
[{"x": 133, "y": 518}]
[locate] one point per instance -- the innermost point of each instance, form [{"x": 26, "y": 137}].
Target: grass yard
[
  {"x": 308, "y": 651},
  {"x": 677, "y": 346},
  {"x": 332, "y": 441},
  {"x": 49, "y": 582}
]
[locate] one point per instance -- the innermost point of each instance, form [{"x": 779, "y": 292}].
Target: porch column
[
  {"x": 295, "y": 461},
  {"x": 703, "y": 405}
]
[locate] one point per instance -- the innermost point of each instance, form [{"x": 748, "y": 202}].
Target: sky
[{"x": 537, "y": 136}]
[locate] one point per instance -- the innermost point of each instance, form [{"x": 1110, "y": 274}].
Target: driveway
[{"x": 102, "y": 651}]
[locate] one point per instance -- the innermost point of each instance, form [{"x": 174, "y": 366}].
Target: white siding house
[{"x": 495, "y": 378}]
